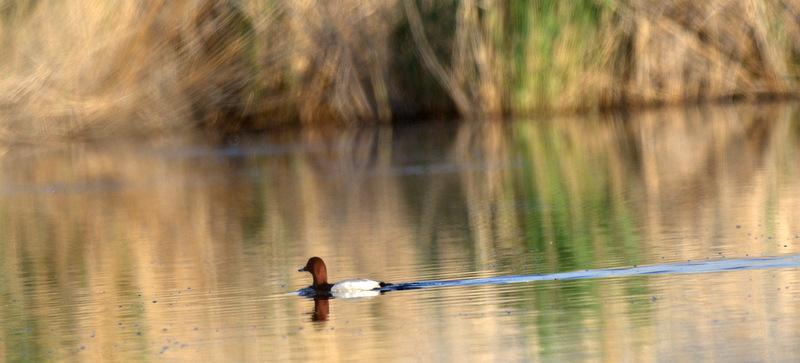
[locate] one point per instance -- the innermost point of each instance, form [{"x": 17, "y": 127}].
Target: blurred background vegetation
[{"x": 92, "y": 68}]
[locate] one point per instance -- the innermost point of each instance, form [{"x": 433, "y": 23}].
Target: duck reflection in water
[
  {"x": 321, "y": 309},
  {"x": 322, "y": 302}
]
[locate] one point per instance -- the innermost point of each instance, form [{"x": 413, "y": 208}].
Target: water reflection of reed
[{"x": 94, "y": 235}]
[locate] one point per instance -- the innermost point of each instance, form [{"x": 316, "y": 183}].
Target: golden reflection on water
[{"x": 182, "y": 248}]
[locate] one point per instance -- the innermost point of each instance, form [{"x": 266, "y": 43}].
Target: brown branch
[{"x": 444, "y": 77}]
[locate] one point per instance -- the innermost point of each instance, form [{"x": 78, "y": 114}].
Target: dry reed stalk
[
  {"x": 94, "y": 68},
  {"x": 339, "y": 60},
  {"x": 473, "y": 78},
  {"x": 682, "y": 50}
]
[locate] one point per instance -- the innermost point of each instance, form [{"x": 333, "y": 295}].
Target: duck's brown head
[{"x": 317, "y": 268}]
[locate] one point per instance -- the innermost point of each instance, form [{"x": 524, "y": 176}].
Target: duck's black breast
[
  {"x": 322, "y": 287},
  {"x": 316, "y": 290}
]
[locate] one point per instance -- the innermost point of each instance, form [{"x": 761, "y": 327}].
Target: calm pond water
[{"x": 663, "y": 236}]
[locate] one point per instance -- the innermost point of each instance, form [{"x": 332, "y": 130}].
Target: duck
[{"x": 319, "y": 272}]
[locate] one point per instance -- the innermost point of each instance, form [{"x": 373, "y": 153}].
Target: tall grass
[
  {"x": 89, "y": 68},
  {"x": 93, "y": 68}
]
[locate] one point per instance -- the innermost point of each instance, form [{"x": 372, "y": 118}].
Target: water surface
[{"x": 668, "y": 235}]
